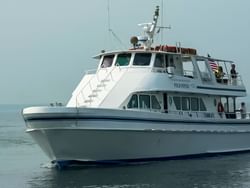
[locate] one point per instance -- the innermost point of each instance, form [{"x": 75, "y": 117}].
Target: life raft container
[{"x": 174, "y": 49}]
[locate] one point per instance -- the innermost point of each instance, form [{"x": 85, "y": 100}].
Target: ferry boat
[{"x": 145, "y": 103}]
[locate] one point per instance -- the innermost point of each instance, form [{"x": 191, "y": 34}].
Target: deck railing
[
  {"x": 92, "y": 84},
  {"x": 225, "y": 80}
]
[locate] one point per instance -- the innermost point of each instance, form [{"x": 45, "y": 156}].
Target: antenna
[
  {"x": 162, "y": 17},
  {"x": 162, "y": 23},
  {"x": 149, "y": 30},
  {"x": 110, "y": 31},
  {"x": 108, "y": 8}
]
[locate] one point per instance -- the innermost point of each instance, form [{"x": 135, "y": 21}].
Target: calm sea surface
[{"x": 23, "y": 164}]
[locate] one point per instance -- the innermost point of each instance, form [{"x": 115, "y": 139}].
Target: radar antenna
[{"x": 149, "y": 31}]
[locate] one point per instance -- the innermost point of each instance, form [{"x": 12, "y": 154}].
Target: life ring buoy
[{"x": 220, "y": 107}]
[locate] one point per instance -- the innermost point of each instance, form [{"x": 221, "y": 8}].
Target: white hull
[{"x": 96, "y": 135}]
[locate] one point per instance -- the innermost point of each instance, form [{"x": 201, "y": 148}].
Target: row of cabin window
[
  {"x": 144, "y": 102},
  {"x": 189, "y": 103},
  {"x": 140, "y": 59}
]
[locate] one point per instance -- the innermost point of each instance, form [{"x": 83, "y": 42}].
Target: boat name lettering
[
  {"x": 180, "y": 80},
  {"x": 181, "y": 85}
]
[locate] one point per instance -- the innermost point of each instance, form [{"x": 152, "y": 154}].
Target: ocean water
[{"x": 23, "y": 164}]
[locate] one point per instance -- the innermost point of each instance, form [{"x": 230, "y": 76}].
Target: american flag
[{"x": 213, "y": 65}]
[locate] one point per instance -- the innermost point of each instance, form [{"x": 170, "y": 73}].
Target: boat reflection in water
[{"x": 226, "y": 171}]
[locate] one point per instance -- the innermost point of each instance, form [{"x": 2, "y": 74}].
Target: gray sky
[{"x": 45, "y": 46}]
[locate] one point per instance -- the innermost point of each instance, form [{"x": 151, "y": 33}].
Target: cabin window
[
  {"x": 188, "y": 68},
  {"x": 177, "y": 102},
  {"x": 133, "y": 103},
  {"x": 155, "y": 103},
  {"x": 170, "y": 60},
  {"x": 202, "y": 106},
  {"x": 123, "y": 59},
  {"x": 142, "y": 59},
  {"x": 159, "y": 61},
  {"x": 231, "y": 104},
  {"x": 144, "y": 101},
  {"x": 204, "y": 72},
  {"x": 194, "y": 104},
  {"x": 185, "y": 101},
  {"x": 107, "y": 61}
]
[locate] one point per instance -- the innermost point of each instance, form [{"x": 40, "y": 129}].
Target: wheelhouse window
[
  {"x": 142, "y": 59},
  {"x": 133, "y": 103},
  {"x": 107, "y": 61},
  {"x": 204, "y": 71},
  {"x": 123, "y": 59},
  {"x": 159, "y": 61},
  {"x": 188, "y": 67},
  {"x": 144, "y": 101}
]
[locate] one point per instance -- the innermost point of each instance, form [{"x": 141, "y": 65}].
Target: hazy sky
[{"x": 46, "y": 45}]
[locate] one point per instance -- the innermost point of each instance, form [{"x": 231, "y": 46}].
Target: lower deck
[{"x": 186, "y": 105}]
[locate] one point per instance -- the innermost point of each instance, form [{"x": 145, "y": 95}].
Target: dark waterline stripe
[
  {"x": 221, "y": 89},
  {"x": 62, "y": 164},
  {"x": 132, "y": 119}
]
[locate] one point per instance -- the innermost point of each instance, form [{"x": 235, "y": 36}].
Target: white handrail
[{"x": 109, "y": 73}]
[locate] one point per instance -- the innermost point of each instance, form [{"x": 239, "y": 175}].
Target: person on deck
[
  {"x": 219, "y": 74},
  {"x": 233, "y": 74},
  {"x": 243, "y": 110}
]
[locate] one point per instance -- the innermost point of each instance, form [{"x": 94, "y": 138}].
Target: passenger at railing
[
  {"x": 233, "y": 75},
  {"x": 243, "y": 110},
  {"x": 220, "y": 109},
  {"x": 219, "y": 74}
]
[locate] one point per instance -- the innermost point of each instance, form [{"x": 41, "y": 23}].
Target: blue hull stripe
[{"x": 106, "y": 118}]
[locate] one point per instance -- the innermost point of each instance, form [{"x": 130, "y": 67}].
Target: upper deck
[
  {"x": 161, "y": 69},
  {"x": 183, "y": 72}
]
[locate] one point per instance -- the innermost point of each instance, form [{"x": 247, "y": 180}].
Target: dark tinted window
[
  {"x": 144, "y": 101},
  {"x": 177, "y": 102},
  {"x": 159, "y": 61},
  {"x": 185, "y": 103},
  {"x": 155, "y": 103},
  {"x": 142, "y": 59},
  {"x": 194, "y": 104},
  {"x": 202, "y": 106},
  {"x": 133, "y": 103}
]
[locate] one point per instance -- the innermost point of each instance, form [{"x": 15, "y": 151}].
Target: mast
[{"x": 149, "y": 31}]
